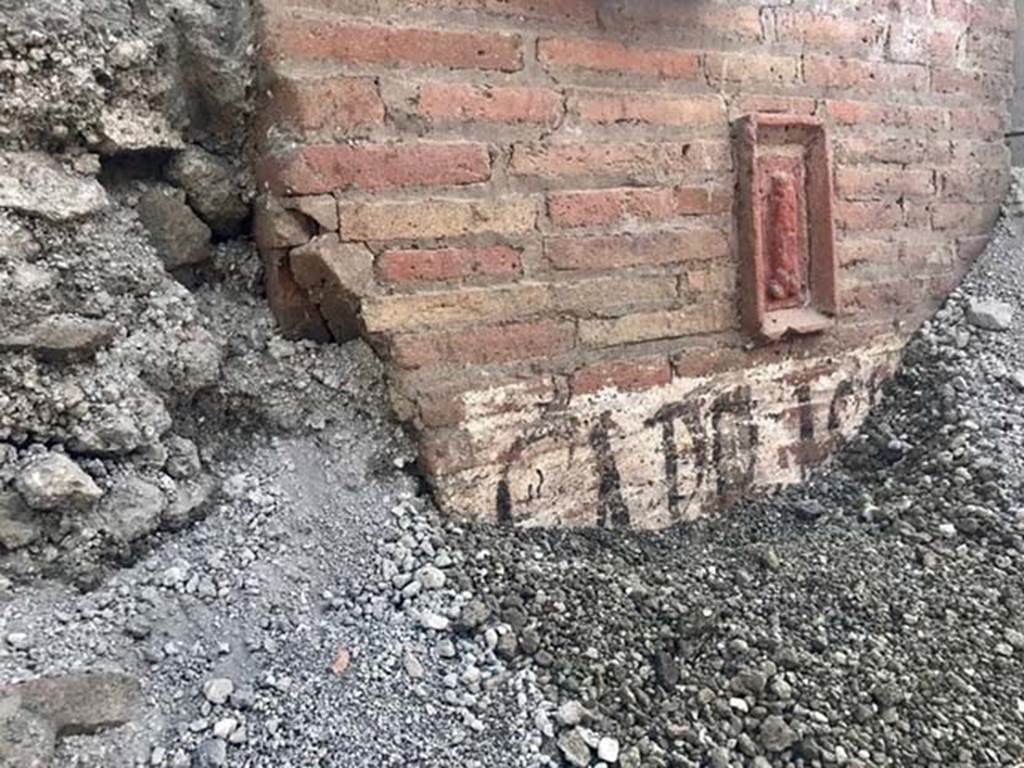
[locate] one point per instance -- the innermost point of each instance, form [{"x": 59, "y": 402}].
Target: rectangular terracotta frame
[{"x": 820, "y": 307}]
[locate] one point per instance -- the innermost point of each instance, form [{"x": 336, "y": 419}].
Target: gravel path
[{"x": 322, "y": 614}]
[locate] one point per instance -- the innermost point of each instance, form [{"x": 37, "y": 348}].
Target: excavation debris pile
[{"x": 116, "y": 191}]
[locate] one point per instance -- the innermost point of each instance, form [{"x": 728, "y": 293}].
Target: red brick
[
  {"x": 698, "y": 362},
  {"x": 794, "y": 105},
  {"x": 320, "y": 210},
  {"x": 972, "y": 83},
  {"x": 630, "y": 375},
  {"x": 609, "y": 206},
  {"x": 651, "y": 326},
  {"x": 975, "y": 185},
  {"x": 987, "y": 154},
  {"x": 294, "y": 37},
  {"x": 855, "y": 251},
  {"x": 993, "y": 16},
  {"x": 650, "y": 108},
  {"x": 850, "y": 150},
  {"x": 455, "y": 102},
  {"x": 337, "y": 277},
  {"x": 967, "y": 218},
  {"x": 752, "y": 68},
  {"x": 917, "y": 213},
  {"x": 869, "y": 215},
  {"x": 617, "y": 251},
  {"x": 576, "y": 11},
  {"x": 896, "y": 296},
  {"x": 274, "y": 226},
  {"x": 614, "y": 57},
  {"x": 613, "y": 296},
  {"x": 328, "y": 167},
  {"x": 869, "y": 182},
  {"x": 432, "y": 218},
  {"x": 897, "y": 116},
  {"x": 828, "y": 34},
  {"x": 954, "y": 10},
  {"x": 911, "y": 9},
  {"x": 853, "y": 74},
  {"x": 699, "y": 21},
  {"x": 921, "y": 43},
  {"x": 987, "y": 123},
  {"x": 339, "y": 103},
  {"x": 485, "y": 345},
  {"x": 921, "y": 253},
  {"x": 989, "y": 50},
  {"x": 629, "y": 162},
  {"x": 459, "y": 306},
  {"x": 970, "y": 248},
  {"x": 711, "y": 280},
  {"x": 500, "y": 261}
]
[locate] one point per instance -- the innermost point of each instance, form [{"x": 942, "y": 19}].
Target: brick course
[{"x": 529, "y": 207}]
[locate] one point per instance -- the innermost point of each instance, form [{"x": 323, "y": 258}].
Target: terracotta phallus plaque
[{"x": 786, "y": 231}]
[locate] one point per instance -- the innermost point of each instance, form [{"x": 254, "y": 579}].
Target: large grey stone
[
  {"x": 189, "y": 499},
  {"x": 131, "y": 510},
  {"x": 19, "y": 525},
  {"x": 776, "y": 735},
  {"x": 62, "y": 338},
  {"x": 36, "y": 184},
  {"x": 54, "y": 482},
  {"x": 110, "y": 435},
  {"x": 182, "y": 458},
  {"x": 989, "y": 314},
  {"x": 212, "y": 753},
  {"x": 212, "y": 189},
  {"x": 80, "y": 702},
  {"x": 180, "y": 238},
  {"x": 574, "y": 748},
  {"x": 134, "y": 128}
]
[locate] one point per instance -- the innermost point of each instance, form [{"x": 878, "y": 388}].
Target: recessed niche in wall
[{"x": 786, "y": 231}]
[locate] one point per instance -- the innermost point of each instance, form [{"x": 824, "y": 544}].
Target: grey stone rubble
[
  {"x": 33, "y": 182},
  {"x": 989, "y": 314}
]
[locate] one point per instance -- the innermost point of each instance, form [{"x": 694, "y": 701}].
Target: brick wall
[{"x": 528, "y": 207}]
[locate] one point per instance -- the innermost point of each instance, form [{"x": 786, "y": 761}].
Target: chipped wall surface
[{"x": 525, "y": 204}]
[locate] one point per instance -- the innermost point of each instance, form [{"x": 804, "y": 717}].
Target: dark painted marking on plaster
[
  {"x": 806, "y": 411},
  {"x": 504, "y": 503},
  {"x": 611, "y": 507},
  {"x": 736, "y": 438},
  {"x": 844, "y": 391},
  {"x": 668, "y": 448},
  {"x": 689, "y": 414}
]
